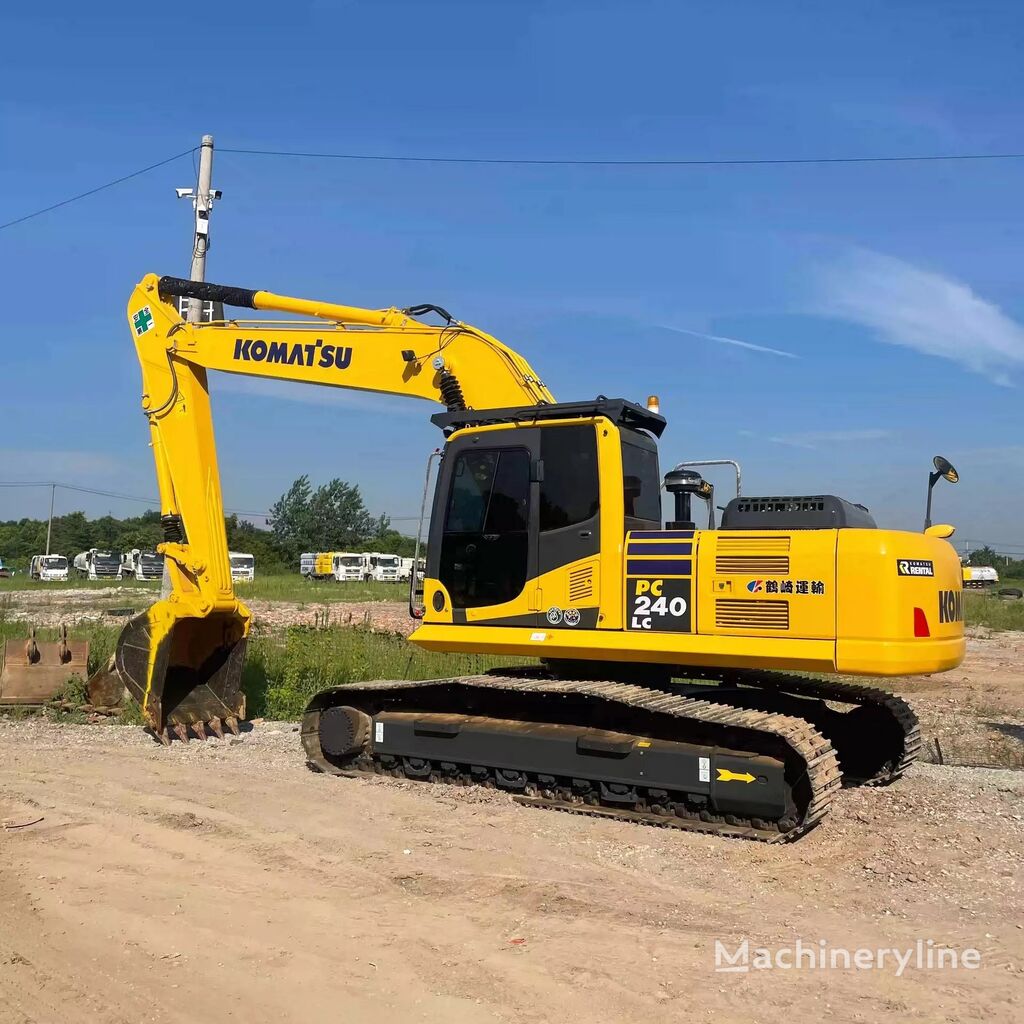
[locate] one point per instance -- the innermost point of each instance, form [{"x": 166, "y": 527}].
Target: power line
[
  {"x": 93, "y": 191},
  {"x": 558, "y": 162},
  {"x": 151, "y": 502},
  {"x": 83, "y": 490},
  {"x": 994, "y": 544},
  {"x": 538, "y": 162}
]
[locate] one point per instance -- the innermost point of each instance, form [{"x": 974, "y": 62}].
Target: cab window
[
  {"x": 641, "y": 484},
  {"x": 569, "y": 493},
  {"x": 485, "y": 545}
]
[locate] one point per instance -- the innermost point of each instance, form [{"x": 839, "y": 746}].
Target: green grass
[
  {"x": 989, "y": 610},
  {"x": 284, "y": 670},
  {"x": 293, "y": 587}
]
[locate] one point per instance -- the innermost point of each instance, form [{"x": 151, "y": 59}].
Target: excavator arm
[{"x": 182, "y": 659}]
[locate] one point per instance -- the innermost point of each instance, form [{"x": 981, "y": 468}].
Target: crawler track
[
  {"x": 876, "y": 736},
  {"x": 810, "y": 765},
  {"x": 876, "y": 742}
]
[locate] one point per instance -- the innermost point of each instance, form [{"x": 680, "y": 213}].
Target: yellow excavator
[{"x": 684, "y": 676}]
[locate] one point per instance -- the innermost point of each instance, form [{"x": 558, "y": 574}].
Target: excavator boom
[{"x": 182, "y": 658}]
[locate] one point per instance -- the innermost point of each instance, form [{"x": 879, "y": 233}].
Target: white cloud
[
  {"x": 812, "y": 440},
  {"x": 719, "y": 339},
  {"x": 925, "y": 311}
]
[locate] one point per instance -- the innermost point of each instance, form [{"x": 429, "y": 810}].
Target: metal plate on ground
[{"x": 36, "y": 671}]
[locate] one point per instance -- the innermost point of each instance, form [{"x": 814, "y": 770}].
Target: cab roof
[{"x": 620, "y": 411}]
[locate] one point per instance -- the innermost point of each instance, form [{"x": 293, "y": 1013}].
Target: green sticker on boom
[{"x": 142, "y": 321}]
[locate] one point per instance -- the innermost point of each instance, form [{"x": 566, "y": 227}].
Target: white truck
[
  {"x": 243, "y": 567},
  {"x": 380, "y": 567},
  {"x": 48, "y": 568},
  {"x": 347, "y": 567},
  {"x": 95, "y": 564},
  {"x": 143, "y": 565},
  {"x": 979, "y": 577},
  {"x": 405, "y": 569}
]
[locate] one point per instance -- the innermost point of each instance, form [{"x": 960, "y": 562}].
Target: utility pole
[
  {"x": 203, "y": 198},
  {"x": 49, "y": 525}
]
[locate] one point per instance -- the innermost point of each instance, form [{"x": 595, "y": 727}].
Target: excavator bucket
[
  {"x": 35, "y": 671},
  {"x": 185, "y": 672}
]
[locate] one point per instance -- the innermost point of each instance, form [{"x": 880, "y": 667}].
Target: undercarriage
[{"x": 744, "y": 754}]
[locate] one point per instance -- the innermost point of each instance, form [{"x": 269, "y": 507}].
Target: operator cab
[{"x": 520, "y": 496}]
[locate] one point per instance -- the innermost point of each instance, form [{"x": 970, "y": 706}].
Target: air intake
[
  {"x": 771, "y": 544},
  {"x": 733, "y": 614},
  {"x": 766, "y": 555},
  {"x": 581, "y": 584},
  {"x": 753, "y": 565},
  {"x": 803, "y": 512}
]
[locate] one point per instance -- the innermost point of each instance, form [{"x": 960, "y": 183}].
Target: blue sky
[{"x": 879, "y": 307}]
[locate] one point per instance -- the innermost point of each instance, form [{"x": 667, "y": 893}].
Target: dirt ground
[
  {"x": 976, "y": 711},
  {"x": 225, "y": 881},
  {"x": 51, "y": 608}
]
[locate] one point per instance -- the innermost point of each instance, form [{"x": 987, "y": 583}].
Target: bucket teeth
[
  {"x": 199, "y": 729},
  {"x": 232, "y": 724},
  {"x": 181, "y": 731},
  {"x": 216, "y": 728},
  {"x": 165, "y": 737}
]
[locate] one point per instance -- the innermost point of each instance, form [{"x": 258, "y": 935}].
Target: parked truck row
[
  {"x": 100, "y": 564},
  {"x": 361, "y": 567}
]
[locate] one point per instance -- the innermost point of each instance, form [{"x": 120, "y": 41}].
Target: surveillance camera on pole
[{"x": 203, "y": 197}]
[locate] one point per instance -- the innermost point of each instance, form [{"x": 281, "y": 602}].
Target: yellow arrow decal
[{"x": 724, "y": 775}]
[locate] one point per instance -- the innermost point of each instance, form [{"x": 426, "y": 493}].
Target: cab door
[
  {"x": 569, "y": 527},
  {"x": 483, "y": 539}
]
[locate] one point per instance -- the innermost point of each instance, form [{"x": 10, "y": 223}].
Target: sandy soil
[{"x": 225, "y": 881}]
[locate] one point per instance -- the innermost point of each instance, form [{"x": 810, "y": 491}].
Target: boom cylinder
[{"x": 248, "y": 298}]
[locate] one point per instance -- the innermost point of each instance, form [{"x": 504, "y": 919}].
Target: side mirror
[
  {"x": 941, "y": 530},
  {"x": 943, "y": 471}
]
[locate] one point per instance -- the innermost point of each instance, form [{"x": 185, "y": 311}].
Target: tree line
[
  {"x": 331, "y": 517},
  {"x": 1005, "y": 567}
]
